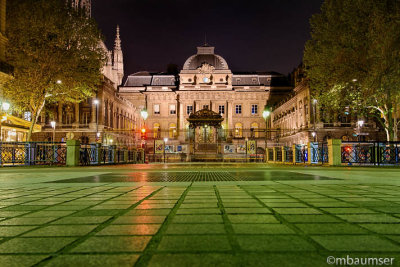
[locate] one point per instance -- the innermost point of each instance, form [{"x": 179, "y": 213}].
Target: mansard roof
[{"x": 145, "y": 78}]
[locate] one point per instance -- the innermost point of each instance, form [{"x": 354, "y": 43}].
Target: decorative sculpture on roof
[{"x": 206, "y": 69}]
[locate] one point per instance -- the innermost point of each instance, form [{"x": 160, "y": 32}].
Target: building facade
[
  {"x": 205, "y": 83},
  {"x": 299, "y": 119}
]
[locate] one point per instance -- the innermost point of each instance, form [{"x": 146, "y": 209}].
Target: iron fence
[
  {"x": 270, "y": 154},
  {"x": 370, "y": 153},
  {"x": 288, "y": 154},
  {"x": 301, "y": 153},
  {"x": 319, "y": 153},
  {"x": 278, "y": 154},
  {"x": 32, "y": 153}
]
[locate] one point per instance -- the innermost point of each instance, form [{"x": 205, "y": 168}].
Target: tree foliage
[
  {"x": 353, "y": 58},
  {"x": 56, "y": 53}
]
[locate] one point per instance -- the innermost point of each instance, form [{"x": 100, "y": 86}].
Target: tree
[
  {"x": 56, "y": 53},
  {"x": 353, "y": 58}
]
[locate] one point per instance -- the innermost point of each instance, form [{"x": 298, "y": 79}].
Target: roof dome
[{"x": 205, "y": 54}]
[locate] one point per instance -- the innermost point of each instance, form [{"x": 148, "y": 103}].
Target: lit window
[
  {"x": 254, "y": 109},
  {"x": 157, "y": 109},
  {"x": 221, "y": 110},
  {"x": 172, "y": 130},
  {"x": 172, "y": 109},
  {"x": 189, "y": 109},
  {"x": 238, "y": 109},
  {"x": 238, "y": 130}
]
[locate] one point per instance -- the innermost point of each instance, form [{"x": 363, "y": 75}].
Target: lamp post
[
  {"x": 314, "y": 133},
  {"x": 5, "y": 106},
  {"x": 165, "y": 141},
  {"x": 360, "y": 124},
  {"x": 145, "y": 115},
  {"x": 96, "y": 102},
  {"x": 266, "y": 113},
  {"x": 53, "y": 125}
]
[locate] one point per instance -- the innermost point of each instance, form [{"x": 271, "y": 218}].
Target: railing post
[
  {"x": 309, "y": 151},
  {"x": 142, "y": 156},
  {"x": 73, "y": 150},
  {"x": 294, "y": 154},
  {"x": 283, "y": 150},
  {"x": 335, "y": 152},
  {"x": 114, "y": 154},
  {"x": 98, "y": 154}
]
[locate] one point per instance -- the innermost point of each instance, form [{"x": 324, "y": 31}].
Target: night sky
[{"x": 251, "y": 35}]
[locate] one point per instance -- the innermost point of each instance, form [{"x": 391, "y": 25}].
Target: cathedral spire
[{"x": 117, "y": 40}]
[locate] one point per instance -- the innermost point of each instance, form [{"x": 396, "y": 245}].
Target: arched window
[
  {"x": 254, "y": 129},
  {"x": 156, "y": 130},
  {"x": 172, "y": 130},
  {"x": 238, "y": 130}
]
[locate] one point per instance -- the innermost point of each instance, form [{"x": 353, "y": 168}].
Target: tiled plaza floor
[{"x": 244, "y": 215}]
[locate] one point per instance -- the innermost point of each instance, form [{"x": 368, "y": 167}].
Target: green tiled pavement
[{"x": 272, "y": 222}]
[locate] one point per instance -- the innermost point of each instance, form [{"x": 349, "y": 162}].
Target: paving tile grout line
[
  {"x": 283, "y": 221},
  {"x": 100, "y": 227},
  {"x": 43, "y": 209},
  {"x": 227, "y": 223},
  {"x": 339, "y": 218},
  {"x": 151, "y": 247}
]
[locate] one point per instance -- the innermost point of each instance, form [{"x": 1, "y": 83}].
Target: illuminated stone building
[{"x": 205, "y": 83}]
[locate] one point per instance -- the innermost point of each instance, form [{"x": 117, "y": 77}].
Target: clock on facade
[{"x": 205, "y": 79}]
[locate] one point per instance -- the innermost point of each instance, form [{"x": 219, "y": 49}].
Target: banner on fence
[
  {"x": 251, "y": 147},
  {"x": 229, "y": 149},
  {"x": 158, "y": 146},
  {"x": 241, "y": 149}
]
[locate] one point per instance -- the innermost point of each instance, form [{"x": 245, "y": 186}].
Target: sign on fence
[
  {"x": 158, "y": 146},
  {"x": 251, "y": 147}
]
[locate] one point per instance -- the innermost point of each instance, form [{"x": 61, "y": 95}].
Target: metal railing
[
  {"x": 301, "y": 153},
  {"x": 370, "y": 153},
  {"x": 319, "y": 153},
  {"x": 95, "y": 154},
  {"x": 288, "y": 154},
  {"x": 32, "y": 153}
]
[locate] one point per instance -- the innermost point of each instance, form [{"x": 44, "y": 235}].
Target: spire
[
  {"x": 117, "y": 40},
  {"x": 205, "y": 40}
]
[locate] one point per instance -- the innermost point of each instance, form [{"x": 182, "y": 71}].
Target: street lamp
[
  {"x": 53, "y": 125},
  {"x": 266, "y": 113},
  {"x": 144, "y": 114},
  {"x": 360, "y": 124},
  {"x": 5, "y": 106},
  {"x": 59, "y": 82},
  {"x": 97, "y": 103},
  {"x": 165, "y": 141}
]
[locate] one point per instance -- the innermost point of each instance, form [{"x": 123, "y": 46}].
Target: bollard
[
  {"x": 309, "y": 156},
  {"x": 73, "y": 151},
  {"x": 294, "y": 154},
  {"x": 335, "y": 152}
]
